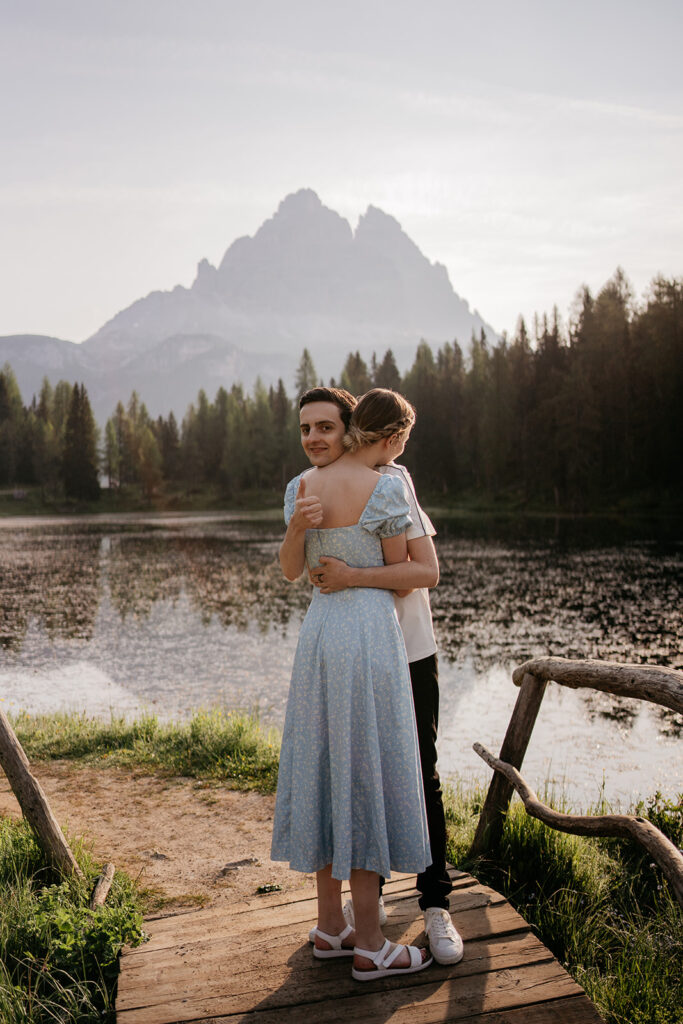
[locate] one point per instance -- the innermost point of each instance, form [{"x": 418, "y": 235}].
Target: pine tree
[
  {"x": 306, "y": 377},
  {"x": 80, "y": 463},
  {"x": 355, "y": 377},
  {"x": 11, "y": 415},
  {"x": 386, "y": 374},
  {"x": 112, "y": 453}
]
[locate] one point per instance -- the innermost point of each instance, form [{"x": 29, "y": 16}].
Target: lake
[{"x": 168, "y": 613}]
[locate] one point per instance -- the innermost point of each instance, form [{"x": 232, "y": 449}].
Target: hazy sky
[{"x": 529, "y": 146}]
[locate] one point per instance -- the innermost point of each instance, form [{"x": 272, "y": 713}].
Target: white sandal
[
  {"x": 384, "y": 958},
  {"x": 347, "y": 911},
  {"x": 335, "y": 941}
]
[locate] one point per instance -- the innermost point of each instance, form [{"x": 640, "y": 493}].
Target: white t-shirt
[{"x": 414, "y": 612}]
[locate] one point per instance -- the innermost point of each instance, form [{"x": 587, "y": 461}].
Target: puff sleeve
[
  {"x": 290, "y": 497},
  {"x": 386, "y": 513}
]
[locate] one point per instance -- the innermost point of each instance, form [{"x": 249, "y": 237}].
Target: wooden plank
[
  {"x": 256, "y": 967},
  {"x": 217, "y": 922},
  {"x": 570, "y": 1010},
  {"x": 455, "y": 998},
  {"x": 277, "y": 942},
  {"x": 394, "y": 888},
  {"x": 185, "y": 975},
  {"x": 274, "y": 924}
]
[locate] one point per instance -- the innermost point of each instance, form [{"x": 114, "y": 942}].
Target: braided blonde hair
[{"x": 380, "y": 413}]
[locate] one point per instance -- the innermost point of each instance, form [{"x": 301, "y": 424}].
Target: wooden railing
[
  {"x": 661, "y": 686},
  {"x": 38, "y": 813}
]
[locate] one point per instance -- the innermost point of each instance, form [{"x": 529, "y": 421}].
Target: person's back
[{"x": 343, "y": 489}]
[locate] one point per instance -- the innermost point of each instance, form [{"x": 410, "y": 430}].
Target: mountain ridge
[{"x": 304, "y": 279}]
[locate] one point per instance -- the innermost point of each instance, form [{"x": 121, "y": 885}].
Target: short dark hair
[{"x": 339, "y": 396}]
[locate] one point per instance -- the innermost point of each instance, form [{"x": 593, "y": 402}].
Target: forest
[{"x": 576, "y": 417}]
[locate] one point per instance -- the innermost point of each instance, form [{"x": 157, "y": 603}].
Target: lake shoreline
[
  {"x": 167, "y": 613},
  {"x": 29, "y": 501}
]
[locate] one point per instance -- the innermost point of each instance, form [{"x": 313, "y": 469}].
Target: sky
[{"x": 531, "y": 147}]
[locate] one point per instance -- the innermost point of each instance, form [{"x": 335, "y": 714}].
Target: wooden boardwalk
[{"x": 250, "y": 962}]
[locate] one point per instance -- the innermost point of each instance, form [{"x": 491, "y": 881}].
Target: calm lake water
[{"x": 172, "y": 613}]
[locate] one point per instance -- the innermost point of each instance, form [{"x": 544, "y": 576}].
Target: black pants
[{"x": 434, "y": 884}]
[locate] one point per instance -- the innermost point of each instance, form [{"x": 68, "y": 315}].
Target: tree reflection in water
[
  {"x": 238, "y": 581},
  {"x": 53, "y": 578},
  {"x": 502, "y": 598},
  {"x": 58, "y": 579}
]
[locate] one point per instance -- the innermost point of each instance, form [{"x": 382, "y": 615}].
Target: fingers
[
  {"x": 310, "y": 509},
  {"x": 313, "y": 512}
]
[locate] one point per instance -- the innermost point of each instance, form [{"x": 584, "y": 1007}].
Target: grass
[
  {"x": 58, "y": 959},
  {"x": 169, "y": 497},
  {"x": 211, "y": 745},
  {"x": 600, "y": 905}
]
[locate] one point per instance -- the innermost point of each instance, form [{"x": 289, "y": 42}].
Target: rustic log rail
[
  {"x": 644, "y": 682},
  {"x": 661, "y": 686},
  {"x": 626, "y": 826},
  {"x": 33, "y": 802}
]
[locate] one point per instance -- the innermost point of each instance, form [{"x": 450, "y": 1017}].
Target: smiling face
[{"x": 322, "y": 431}]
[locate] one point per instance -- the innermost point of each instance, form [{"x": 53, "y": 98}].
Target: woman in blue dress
[{"x": 350, "y": 803}]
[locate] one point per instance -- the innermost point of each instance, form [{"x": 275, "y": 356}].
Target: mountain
[
  {"x": 34, "y": 356},
  {"x": 304, "y": 279}
]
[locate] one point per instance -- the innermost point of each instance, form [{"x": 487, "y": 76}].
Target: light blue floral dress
[{"x": 350, "y": 787}]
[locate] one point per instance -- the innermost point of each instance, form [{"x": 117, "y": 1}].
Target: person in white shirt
[{"x": 327, "y": 414}]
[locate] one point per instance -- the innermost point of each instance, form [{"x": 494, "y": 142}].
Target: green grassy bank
[
  {"x": 601, "y": 906},
  {"x": 31, "y": 500},
  {"x": 58, "y": 959},
  {"x": 212, "y": 744}
]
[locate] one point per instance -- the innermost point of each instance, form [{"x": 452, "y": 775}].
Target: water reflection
[
  {"x": 176, "y": 613},
  {"x": 235, "y": 579},
  {"x": 499, "y": 604},
  {"x": 56, "y": 579}
]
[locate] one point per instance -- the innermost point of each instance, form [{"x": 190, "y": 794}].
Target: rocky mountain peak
[{"x": 303, "y": 279}]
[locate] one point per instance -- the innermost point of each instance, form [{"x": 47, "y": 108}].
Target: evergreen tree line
[
  {"x": 575, "y": 416},
  {"x": 52, "y": 442}
]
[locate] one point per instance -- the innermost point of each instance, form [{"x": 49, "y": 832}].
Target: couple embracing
[{"x": 358, "y": 791}]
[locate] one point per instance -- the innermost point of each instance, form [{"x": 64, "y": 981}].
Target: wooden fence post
[
  {"x": 512, "y": 751},
  {"x": 33, "y": 801}
]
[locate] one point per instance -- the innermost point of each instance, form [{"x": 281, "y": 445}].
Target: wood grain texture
[
  {"x": 256, "y": 965},
  {"x": 33, "y": 802},
  {"x": 645, "y": 682},
  {"x": 623, "y": 826},
  {"x": 520, "y": 727}
]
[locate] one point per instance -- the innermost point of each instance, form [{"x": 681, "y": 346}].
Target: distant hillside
[{"x": 304, "y": 279}]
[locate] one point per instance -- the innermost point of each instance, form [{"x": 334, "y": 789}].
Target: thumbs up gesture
[{"x": 308, "y": 511}]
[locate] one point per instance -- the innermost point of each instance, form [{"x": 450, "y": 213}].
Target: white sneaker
[
  {"x": 444, "y": 940},
  {"x": 347, "y": 911}
]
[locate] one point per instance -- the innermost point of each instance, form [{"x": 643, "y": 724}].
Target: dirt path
[{"x": 190, "y": 842}]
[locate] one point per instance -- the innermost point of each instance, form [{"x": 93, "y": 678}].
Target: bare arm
[
  {"x": 421, "y": 571},
  {"x": 308, "y": 514}
]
